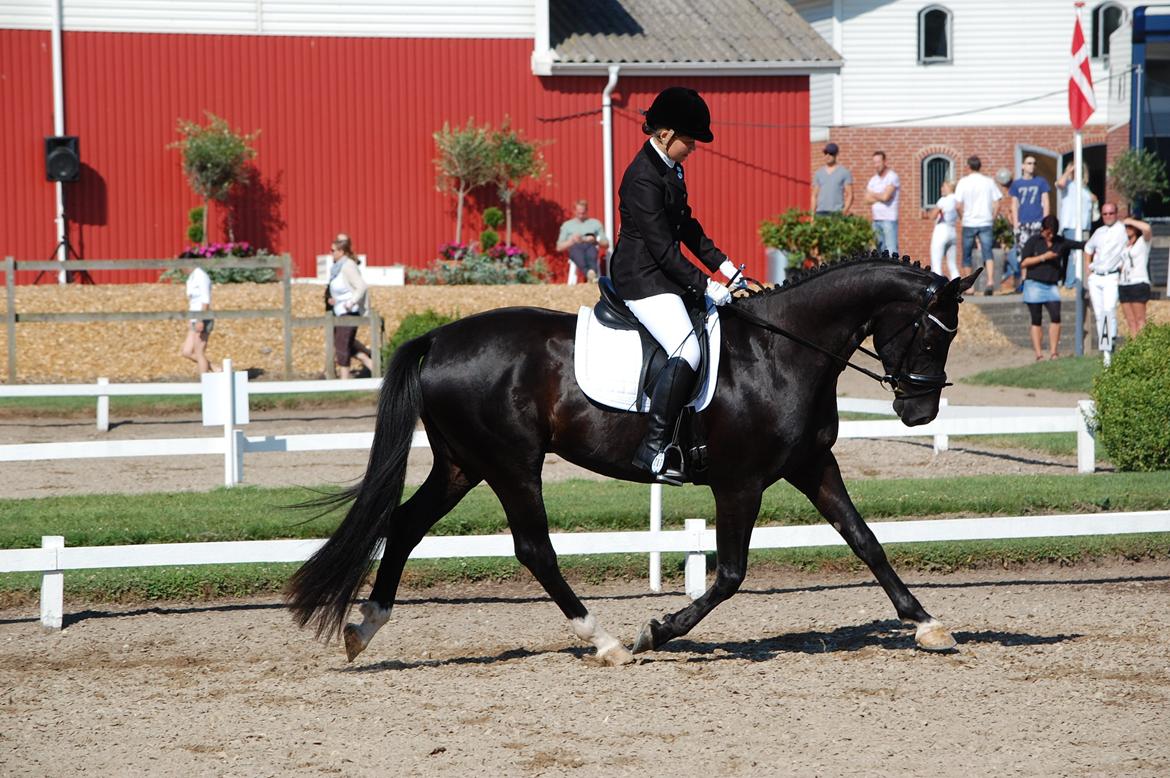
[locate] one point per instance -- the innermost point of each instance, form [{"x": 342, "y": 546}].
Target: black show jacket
[{"x": 656, "y": 218}]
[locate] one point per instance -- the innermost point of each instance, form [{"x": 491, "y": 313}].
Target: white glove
[
  {"x": 730, "y": 271},
  {"x": 719, "y": 294}
]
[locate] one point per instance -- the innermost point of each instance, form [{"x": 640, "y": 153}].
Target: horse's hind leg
[
  {"x": 821, "y": 482},
  {"x": 735, "y": 514},
  {"x": 524, "y": 507},
  {"x": 444, "y": 487}
]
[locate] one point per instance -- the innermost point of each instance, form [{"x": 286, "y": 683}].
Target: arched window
[
  {"x": 934, "y": 35},
  {"x": 935, "y": 169},
  {"x": 1107, "y": 17}
]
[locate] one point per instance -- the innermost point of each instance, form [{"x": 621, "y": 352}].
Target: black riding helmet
[{"x": 682, "y": 110}]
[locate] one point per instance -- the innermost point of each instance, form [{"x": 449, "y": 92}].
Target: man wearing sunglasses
[{"x": 1104, "y": 253}]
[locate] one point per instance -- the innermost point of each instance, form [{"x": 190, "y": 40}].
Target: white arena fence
[{"x": 696, "y": 540}]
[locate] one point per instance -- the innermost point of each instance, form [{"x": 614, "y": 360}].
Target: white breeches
[
  {"x": 942, "y": 243},
  {"x": 665, "y": 316},
  {"x": 1103, "y": 296}
]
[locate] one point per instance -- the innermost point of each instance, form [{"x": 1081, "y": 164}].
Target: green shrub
[
  {"x": 195, "y": 224},
  {"x": 460, "y": 264},
  {"x": 493, "y": 217},
  {"x": 807, "y": 239},
  {"x": 488, "y": 240},
  {"x": 412, "y": 326},
  {"x": 1133, "y": 402}
]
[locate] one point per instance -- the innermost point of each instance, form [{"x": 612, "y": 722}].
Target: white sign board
[{"x": 215, "y": 398}]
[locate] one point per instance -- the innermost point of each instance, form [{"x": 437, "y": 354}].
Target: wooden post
[
  {"x": 10, "y": 315},
  {"x": 329, "y": 320},
  {"x": 376, "y": 342},
  {"x": 656, "y": 526},
  {"x": 286, "y": 282}
]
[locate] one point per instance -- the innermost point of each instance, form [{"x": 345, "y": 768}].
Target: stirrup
[{"x": 668, "y": 475}]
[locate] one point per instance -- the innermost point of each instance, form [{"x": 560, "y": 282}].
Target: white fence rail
[{"x": 54, "y": 557}]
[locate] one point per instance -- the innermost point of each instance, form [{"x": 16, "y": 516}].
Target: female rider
[{"x": 648, "y": 269}]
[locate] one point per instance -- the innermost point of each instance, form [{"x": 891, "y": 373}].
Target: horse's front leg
[
  {"x": 735, "y": 514},
  {"x": 821, "y": 482}
]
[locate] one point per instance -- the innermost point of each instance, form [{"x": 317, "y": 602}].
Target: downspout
[
  {"x": 607, "y": 151},
  {"x": 59, "y": 129}
]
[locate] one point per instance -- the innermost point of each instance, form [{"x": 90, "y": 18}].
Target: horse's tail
[{"x": 323, "y": 588}]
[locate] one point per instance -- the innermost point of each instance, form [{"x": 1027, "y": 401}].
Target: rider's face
[{"x": 678, "y": 147}]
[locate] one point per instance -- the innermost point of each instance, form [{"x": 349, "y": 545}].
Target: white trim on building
[{"x": 334, "y": 18}]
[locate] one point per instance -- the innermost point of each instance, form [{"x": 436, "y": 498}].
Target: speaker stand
[{"x": 81, "y": 276}]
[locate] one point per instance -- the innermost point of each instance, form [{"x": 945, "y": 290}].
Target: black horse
[{"x": 496, "y": 393}]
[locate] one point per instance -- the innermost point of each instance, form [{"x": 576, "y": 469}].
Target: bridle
[{"x": 904, "y": 384}]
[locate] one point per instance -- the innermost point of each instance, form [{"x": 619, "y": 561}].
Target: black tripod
[{"x": 82, "y": 276}]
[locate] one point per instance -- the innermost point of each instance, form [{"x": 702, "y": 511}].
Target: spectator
[
  {"x": 1134, "y": 289},
  {"x": 1011, "y": 258},
  {"x": 582, "y": 237},
  {"x": 347, "y": 294},
  {"x": 1029, "y": 205},
  {"x": 943, "y": 238},
  {"x": 977, "y": 195},
  {"x": 194, "y": 347},
  {"x": 1041, "y": 260},
  {"x": 1067, "y": 188},
  {"x": 882, "y": 193},
  {"x": 1104, "y": 256},
  {"x": 832, "y": 189}
]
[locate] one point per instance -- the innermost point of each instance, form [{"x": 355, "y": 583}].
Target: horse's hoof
[
  {"x": 616, "y": 656},
  {"x": 353, "y": 642},
  {"x": 645, "y": 641},
  {"x": 933, "y": 636}
]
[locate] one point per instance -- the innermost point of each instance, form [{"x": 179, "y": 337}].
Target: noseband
[{"x": 904, "y": 384}]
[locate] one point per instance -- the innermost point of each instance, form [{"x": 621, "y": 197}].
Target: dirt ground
[{"x": 1058, "y": 672}]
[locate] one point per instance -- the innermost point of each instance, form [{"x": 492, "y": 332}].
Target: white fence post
[
  {"x": 52, "y": 587},
  {"x": 942, "y": 442},
  {"x": 240, "y": 445},
  {"x": 1086, "y": 441},
  {"x": 230, "y": 477},
  {"x": 656, "y": 526},
  {"x": 696, "y": 568},
  {"x": 103, "y": 408}
]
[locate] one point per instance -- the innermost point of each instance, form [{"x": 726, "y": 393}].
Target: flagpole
[
  {"x": 1078, "y": 160},
  {"x": 1078, "y": 151}
]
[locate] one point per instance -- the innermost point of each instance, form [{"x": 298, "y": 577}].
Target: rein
[{"x": 891, "y": 381}]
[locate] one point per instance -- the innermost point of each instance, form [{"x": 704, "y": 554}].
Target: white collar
[{"x": 669, "y": 162}]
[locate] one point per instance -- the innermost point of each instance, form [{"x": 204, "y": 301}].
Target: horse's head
[{"x": 912, "y": 339}]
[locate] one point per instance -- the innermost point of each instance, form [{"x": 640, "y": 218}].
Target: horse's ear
[{"x": 963, "y": 284}]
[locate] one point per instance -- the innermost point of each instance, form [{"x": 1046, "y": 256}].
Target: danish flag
[{"x": 1081, "y": 102}]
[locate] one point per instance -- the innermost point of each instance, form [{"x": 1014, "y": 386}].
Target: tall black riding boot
[{"x": 671, "y": 392}]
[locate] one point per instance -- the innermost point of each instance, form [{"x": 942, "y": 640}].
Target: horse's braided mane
[{"x": 798, "y": 277}]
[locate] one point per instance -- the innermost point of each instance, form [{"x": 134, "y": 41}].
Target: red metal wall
[{"x": 346, "y": 142}]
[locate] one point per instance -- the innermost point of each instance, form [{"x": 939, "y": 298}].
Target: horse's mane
[{"x": 797, "y": 277}]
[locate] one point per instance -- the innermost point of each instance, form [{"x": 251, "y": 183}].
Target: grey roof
[{"x": 680, "y": 31}]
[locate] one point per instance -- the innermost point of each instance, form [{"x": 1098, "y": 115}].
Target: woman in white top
[
  {"x": 198, "y": 330},
  {"x": 1134, "y": 289},
  {"x": 943, "y": 240},
  {"x": 347, "y": 295}
]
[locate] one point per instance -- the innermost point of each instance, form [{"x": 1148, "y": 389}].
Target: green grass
[
  {"x": 169, "y": 405},
  {"x": 253, "y": 513},
  {"x": 1058, "y": 444},
  {"x": 1071, "y": 374}
]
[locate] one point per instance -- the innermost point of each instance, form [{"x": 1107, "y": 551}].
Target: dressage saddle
[{"x": 689, "y": 440}]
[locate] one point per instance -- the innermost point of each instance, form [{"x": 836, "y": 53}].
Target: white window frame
[
  {"x": 950, "y": 17},
  {"x": 950, "y": 176},
  {"x": 1100, "y": 39}
]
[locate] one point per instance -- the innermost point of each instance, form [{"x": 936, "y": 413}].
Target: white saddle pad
[{"x": 608, "y": 363}]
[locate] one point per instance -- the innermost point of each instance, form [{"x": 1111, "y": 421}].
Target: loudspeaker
[{"x": 62, "y": 158}]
